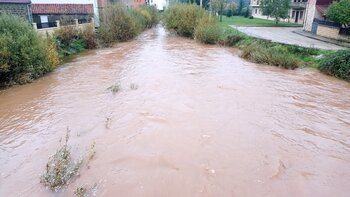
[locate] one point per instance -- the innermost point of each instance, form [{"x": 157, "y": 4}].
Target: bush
[
  {"x": 208, "y": 31},
  {"x": 122, "y": 24},
  {"x": 71, "y": 40},
  {"x": 183, "y": 19},
  {"x": 117, "y": 25},
  {"x": 336, "y": 64},
  {"x": 231, "y": 37},
  {"x": 150, "y": 13},
  {"x": 23, "y": 54},
  {"x": 89, "y": 36},
  {"x": 276, "y": 56}
]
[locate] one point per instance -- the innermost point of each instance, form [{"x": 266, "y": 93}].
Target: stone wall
[
  {"x": 19, "y": 9},
  {"x": 331, "y": 32}
]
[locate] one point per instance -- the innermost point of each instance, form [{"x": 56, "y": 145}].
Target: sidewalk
[
  {"x": 316, "y": 37},
  {"x": 286, "y": 35}
]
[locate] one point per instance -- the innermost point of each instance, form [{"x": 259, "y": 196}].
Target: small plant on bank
[
  {"x": 60, "y": 168},
  {"x": 336, "y": 64}
]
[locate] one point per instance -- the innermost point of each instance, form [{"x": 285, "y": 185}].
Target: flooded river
[{"x": 188, "y": 120}]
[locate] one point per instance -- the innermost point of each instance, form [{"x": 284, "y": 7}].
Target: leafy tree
[
  {"x": 230, "y": 9},
  {"x": 240, "y": 7},
  {"x": 218, "y": 6},
  {"x": 275, "y": 8},
  {"x": 339, "y": 12}
]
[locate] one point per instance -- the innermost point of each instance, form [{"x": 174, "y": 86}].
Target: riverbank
[
  {"x": 194, "y": 22},
  {"x": 26, "y": 55},
  {"x": 254, "y": 22}
]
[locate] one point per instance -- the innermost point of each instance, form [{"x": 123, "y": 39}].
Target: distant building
[
  {"x": 46, "y": 15},
  {"x": 316, "y": 21},
  {"x": 316, "y": 9},
  {"x": 20, "y": 8},
  {"x": 296, "y": 13}
]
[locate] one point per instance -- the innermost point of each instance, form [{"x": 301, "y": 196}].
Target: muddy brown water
[{"x": 189, "y": 120}]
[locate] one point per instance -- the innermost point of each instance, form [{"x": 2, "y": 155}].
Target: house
[
  {"x": 315, "y": 10},
  {"x": 317, "y": 23},
  {"x": 296, "y": 12},
  {"x": 46, "y": 12},
  {"x": 46, "y": 15},
  {"x": 20, "y": 8}
]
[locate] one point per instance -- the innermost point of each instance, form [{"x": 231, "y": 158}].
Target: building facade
[
  {"x": 296, "y": 13},
  {"x": 21, "y": 8},
  {"x": 315, "y": 9},
  {"x": 46, "y": 15}
]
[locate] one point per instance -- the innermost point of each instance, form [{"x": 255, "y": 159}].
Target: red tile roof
[
  {"x": 62, "y": 8},
  {"x": 15, "y": 1}
]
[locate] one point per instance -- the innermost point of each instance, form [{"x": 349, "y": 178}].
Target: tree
[
  {"x": 218, "y": 6},
  {"x": 240, "y": 7},
  {"x": 339, "y": 12},
  {"x": 275, "y": 8},
  {"x": 230, "y": 9}
]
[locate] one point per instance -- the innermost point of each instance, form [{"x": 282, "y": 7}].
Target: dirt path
[{"x": 189, "y": 120}]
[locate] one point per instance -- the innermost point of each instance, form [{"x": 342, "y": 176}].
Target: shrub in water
[
  {"x": 23, "y": 54},
  {"x": 60, "y": 168},
  {"x": 183, "y": 19},
  {"x": 337, "y": 64},
  {"x": 87, "y": 33},
  {"x": 207, "y": 31},
  {"x": 117, "y": 25},
  {"x": 276, "y": 56},
  {"x": 150, "y": 13}
]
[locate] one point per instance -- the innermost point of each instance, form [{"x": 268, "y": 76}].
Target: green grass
[{"x": 256, "y": 22}]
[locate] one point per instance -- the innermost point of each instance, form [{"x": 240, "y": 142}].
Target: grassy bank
[
  {"x": 25, "y": 55},
  {"x": 206, "y": 29},
  {"x": 255, "y": 22}
]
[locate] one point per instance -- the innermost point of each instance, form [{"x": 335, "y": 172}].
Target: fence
[{"x": 50, "y": 27}]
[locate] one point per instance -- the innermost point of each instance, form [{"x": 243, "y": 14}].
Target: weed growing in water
[
  {"x": 108, "y": 122},
  {"x": 114, "y": 88},
  {"x": 60, "y": 168},
  {"x": 80, "y": 191},
  {"x": 92, "y": 151},
  {"x": 134, "y": 86}
]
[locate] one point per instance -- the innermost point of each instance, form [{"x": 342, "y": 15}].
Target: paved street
[{"x": 286, "y": 35}]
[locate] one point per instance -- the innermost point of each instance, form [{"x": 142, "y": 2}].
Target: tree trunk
[{"x": 221, "y": 8}]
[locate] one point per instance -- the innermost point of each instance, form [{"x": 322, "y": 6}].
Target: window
[
  {"x": 256, "y": 11},
  {"x": 258, "y": 2},
  {"x": 301, "y": 14},
  {"x": 293, "y": 14}
]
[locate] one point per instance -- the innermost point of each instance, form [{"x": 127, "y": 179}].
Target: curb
[{"x": 342, "y": 44}]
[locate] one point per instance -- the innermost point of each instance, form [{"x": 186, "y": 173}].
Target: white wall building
[{"x": 296, "y": 13}]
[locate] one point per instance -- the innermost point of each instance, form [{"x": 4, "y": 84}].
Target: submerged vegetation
[{"x": 60, "y": 168}]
